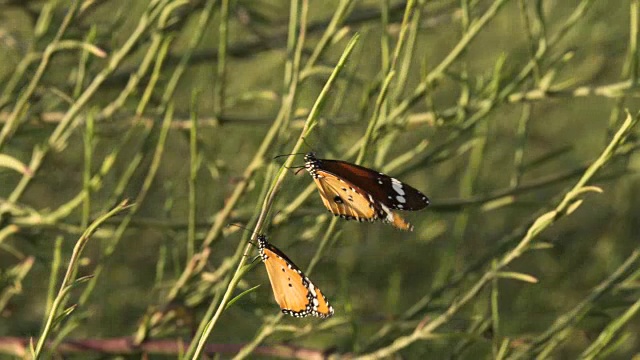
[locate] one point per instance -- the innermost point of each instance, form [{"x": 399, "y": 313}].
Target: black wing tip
[
  {"x": 425, "y": 201},
  {"x": 421, "y": 205}
]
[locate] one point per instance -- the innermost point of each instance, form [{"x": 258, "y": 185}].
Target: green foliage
[{"x": 517, "y": 118}]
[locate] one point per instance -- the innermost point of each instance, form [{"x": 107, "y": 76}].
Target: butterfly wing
[
  {"x": 342, "y": 198},
  {"x": 293, "y": 291},
  {"x": 288, "y": 288},
  {"x": 350, "y": 202},
  {"x": 383, "y": 188},
  {"x": 320, "y": 303}
]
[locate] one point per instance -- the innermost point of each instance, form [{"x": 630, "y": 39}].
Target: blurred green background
[{"x": 489, "y": 162}]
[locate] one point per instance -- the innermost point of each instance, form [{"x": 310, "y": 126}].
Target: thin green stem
[
  {"x": 69, "y": 278},
  {"x": 110, "y": 246},
  {"x": 267, "y": 329},
  {"x": 609, "y": 333},
  {"x": 86, "y": 174},
  {"x": 221, "y": 70},
  {"x": 457, "y": 50},
  {"x": 115, "y": 60},
  {"x": 193, "y": 175},
  {"x": 270, "y": 196},
  {"x": 23, "y": 101},
  {"x": 341, "y": 11},
  {"x": 542, "y": 223},
  {"x": 544, "y": 344}
]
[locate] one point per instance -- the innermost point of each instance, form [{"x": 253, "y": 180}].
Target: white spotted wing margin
[
  {"x": 382, "y": 192},
  {"x": 293, "y": 291}
]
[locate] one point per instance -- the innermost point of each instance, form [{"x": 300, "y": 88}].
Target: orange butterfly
[
  {"x": 354, "y": 192},
  {"x": 293, "y": 291}
]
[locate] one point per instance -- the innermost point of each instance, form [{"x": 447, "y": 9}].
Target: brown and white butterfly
[
  {"x": 292, "y": 289},
  {"x": 358, "y": 193}
]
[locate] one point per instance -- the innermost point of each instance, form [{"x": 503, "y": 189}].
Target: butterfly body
[
  {"x": 358, "y": 193},
  {"x": 292, "y": 289}
]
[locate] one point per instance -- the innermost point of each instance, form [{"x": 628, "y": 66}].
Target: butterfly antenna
[
  {"x": 296, "y": 168},
  {"x": 283, "y": 155},
  {"x": 255, "y": 257},
  {"x": 242, "y": 227}
]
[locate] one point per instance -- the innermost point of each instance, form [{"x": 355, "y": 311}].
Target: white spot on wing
[
  {"x": 401, "y": 199},
  {"x": 397, "y": 187},
  {"x": 387, "y": 211}
]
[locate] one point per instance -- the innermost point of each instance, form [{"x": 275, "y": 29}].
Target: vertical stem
[
  {"x": 384, "y": 38},
  {"x": 218, "y": 100},
  {"x": 86, "y": 174},
  {"x": 193, "y": 174},
  {"x": 495, "y": 314},
  {"x": 268, "y": 328},
  {"x": 521, "y": 142},
  {"x": 70, "y": 278},
  {"x": 631, "y": 65}
]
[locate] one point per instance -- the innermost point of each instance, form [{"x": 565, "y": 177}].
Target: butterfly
[
  {"x": 292, "y": 289},
  {"x": 358, "y": 193}
]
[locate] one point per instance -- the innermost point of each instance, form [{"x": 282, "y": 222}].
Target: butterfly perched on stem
[
  {"x": 292, "y": 289},
  {"x": 358, "y": 193}
]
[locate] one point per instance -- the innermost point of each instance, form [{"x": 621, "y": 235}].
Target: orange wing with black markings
[
  {"x": 293, "y": 291},
  {"x": 358, "y": 193}
]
